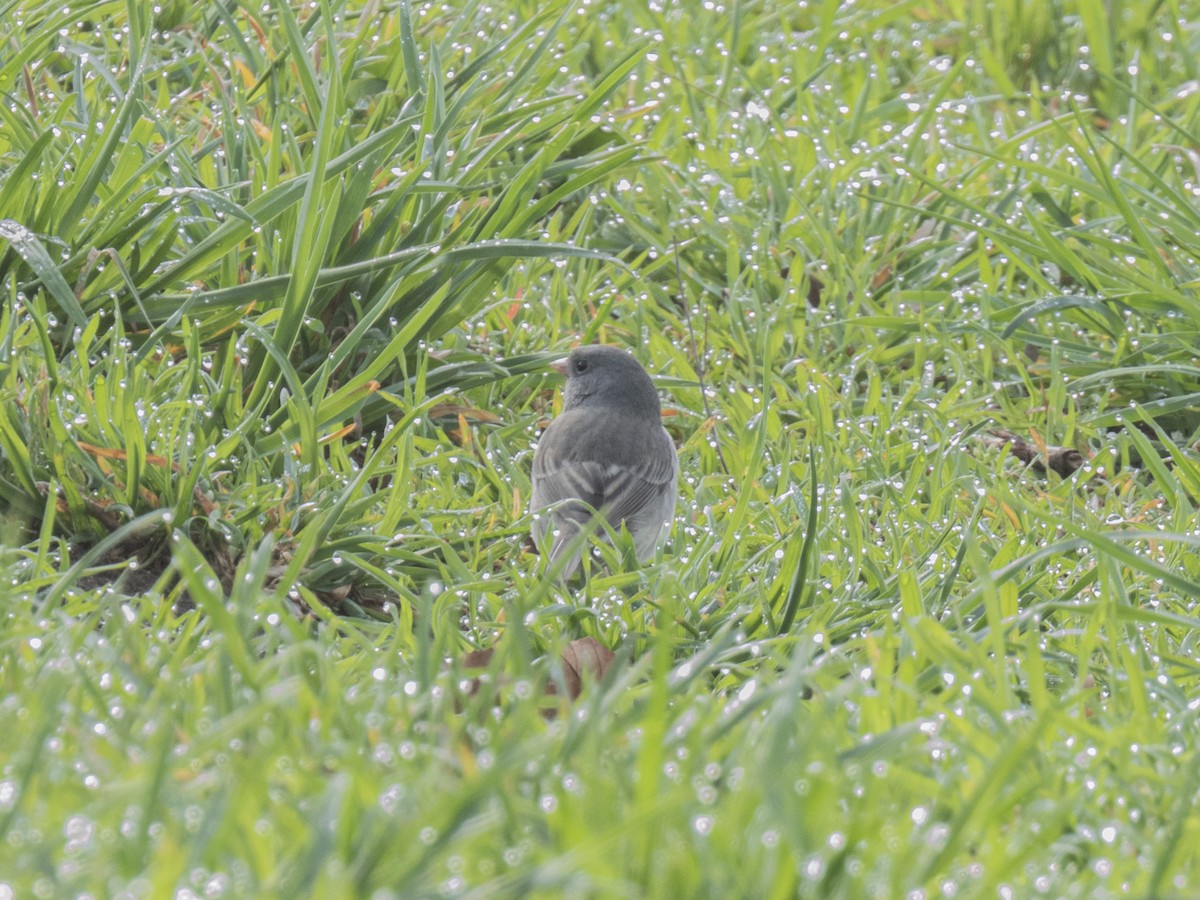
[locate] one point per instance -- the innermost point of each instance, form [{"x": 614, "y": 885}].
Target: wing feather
[{"x": 631, "y": 480}]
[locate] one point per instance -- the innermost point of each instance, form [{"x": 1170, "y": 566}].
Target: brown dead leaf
[
  {"x": 97, "y": 509},
  {"x": 456, "y": 420},
  {"x": 351, "y": 430},
  {"x": 585, "y": 659},
  {"x": 478, "y": 659},
  {"x": 113, "y": 453},
  {"x": 1037, "y": 454},
  {"x": 882, "y": 277},
  {"x": 816, "y": 290},
  {"x": 206, "y": 505},
  {"x": 472, "y": 660},
  {"x": 455, "y": 411}
]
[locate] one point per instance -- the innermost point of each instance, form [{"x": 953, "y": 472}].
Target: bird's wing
[
  {"x": 569, "y": 480},
  {"x": 621, "y": 489},
  {"x": 644, "y": 489}
]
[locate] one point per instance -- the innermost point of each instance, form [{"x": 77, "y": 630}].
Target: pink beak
[{"x": 559, "y": 366}]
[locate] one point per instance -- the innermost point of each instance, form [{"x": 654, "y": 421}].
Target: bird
[{"x": 606, "y": 451}]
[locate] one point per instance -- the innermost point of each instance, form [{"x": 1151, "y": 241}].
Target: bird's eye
[{"x": 581, "y": 365}]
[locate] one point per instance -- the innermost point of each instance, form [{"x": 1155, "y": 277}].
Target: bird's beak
[{"x": 560, "y": 366}]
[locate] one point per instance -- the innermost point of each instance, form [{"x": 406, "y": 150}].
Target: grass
[{"x": 279, "y": 287}]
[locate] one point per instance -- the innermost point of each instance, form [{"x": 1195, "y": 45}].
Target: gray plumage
[{"x": 607, "y": 448}]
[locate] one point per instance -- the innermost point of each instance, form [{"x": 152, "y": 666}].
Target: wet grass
[{"x": 278, "y": 292}]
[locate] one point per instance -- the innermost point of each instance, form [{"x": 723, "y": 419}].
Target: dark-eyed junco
[{"x": 608, "y": 448}]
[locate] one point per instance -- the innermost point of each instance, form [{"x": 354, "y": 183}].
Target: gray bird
[{"x": 608, "y": 448}]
